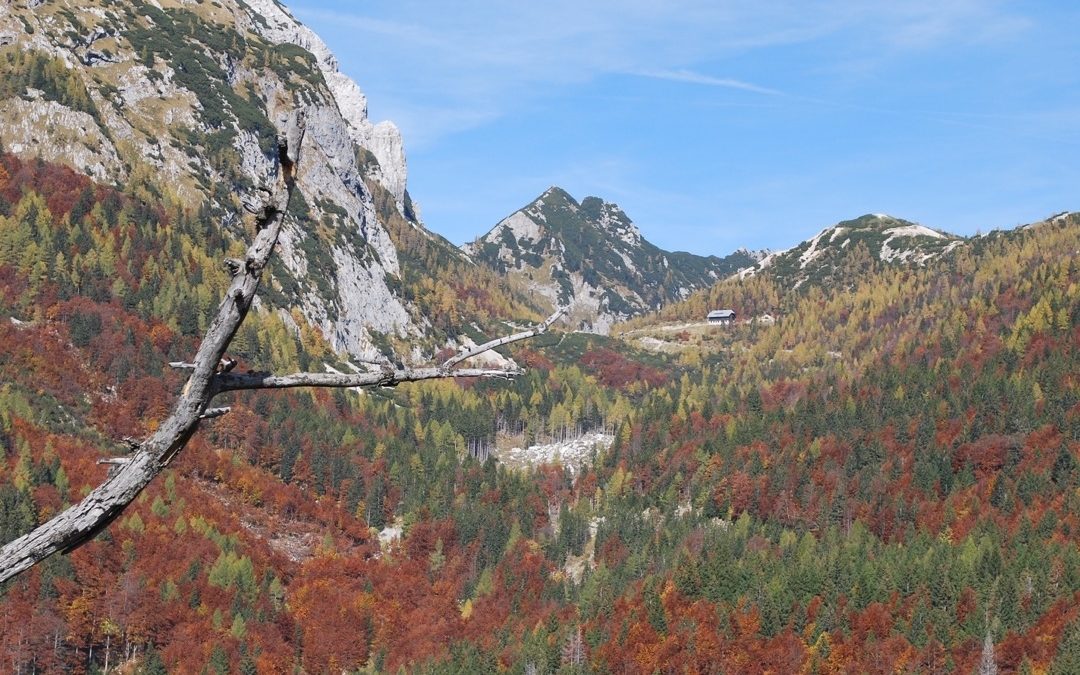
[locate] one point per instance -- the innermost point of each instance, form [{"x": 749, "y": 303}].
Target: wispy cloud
[
  {"x": 922, "y": 24},
  {"x": 482, "y": 59},
  {"x": 692, "y": 77},
  {"x": 789, "y": 110}
]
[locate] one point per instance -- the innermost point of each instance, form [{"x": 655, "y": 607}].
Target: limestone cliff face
[
  {"x": 383, "y": 140},
  {"x": 184, "y": 96}
]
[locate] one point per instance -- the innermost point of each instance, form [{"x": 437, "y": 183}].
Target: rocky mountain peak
[
  {"x": 610, "y": 218},
  {"x": 383, "y": 140},
  {"x": 591, "y": 257}
]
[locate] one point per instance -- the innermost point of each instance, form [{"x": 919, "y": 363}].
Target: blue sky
[{"x": 717, "y": 124}]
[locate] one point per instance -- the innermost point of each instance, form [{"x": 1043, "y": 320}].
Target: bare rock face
[
  {"x": 74, "y": 136},
  {"x": 328, "y": 173},
  {"x": 188, "y": 95},
  {"x": 383, "y": 140}
]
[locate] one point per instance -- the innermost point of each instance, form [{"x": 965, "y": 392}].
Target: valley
[{"x": 874, "y": 467}]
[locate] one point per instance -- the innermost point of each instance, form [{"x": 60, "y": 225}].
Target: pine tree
[
  {"x": 1064, "y": 467},
  {"x": 1067, "y": 660},
  {"x": 152, "y": 664}
]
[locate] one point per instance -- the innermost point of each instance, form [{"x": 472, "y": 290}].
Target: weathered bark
[
  {"x": 381, "y": 378},
  {"x": 81, "y": 522},
  {"x": 388, "y": 378},
  {"x": 498, "y": 342}
]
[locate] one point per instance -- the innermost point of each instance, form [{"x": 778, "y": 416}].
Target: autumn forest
[{"x": 886, "y": 480}]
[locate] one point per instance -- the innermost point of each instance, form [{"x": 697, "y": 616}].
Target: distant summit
[
  {"x": 838, "y": 253},
  {"x": 591, "y": 257}
]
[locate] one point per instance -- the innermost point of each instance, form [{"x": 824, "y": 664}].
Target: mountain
[
  {"x": 179, "y": 101},
  {"x": 878, "y": 481},
  {"x": 886, "y": 478},
  {"x": 842, "y": 253},
  {"x": 847, "y": 256},
  {"x": 590, "y": 257}
]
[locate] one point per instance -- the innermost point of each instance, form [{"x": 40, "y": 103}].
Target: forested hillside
[
  {"x": 885, "y": 480},
  {"x": 179, "y": 103}
]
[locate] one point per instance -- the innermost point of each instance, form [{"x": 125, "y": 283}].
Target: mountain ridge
[
  {"x": 590, "y": 257},
  {"x": 836, "y": 251}
]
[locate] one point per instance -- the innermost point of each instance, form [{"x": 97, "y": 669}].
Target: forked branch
[{"x": 128, "y": 477}]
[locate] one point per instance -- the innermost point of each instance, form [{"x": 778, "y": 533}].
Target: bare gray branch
[
  {"x": 499, "y": 342},
  {"x": 389, "y": 378},
  {"x": 210, "y": 376},
  {"x": 82, "y": 521}
]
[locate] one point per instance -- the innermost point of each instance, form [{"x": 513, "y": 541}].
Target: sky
[{"x": 720, "y": 124}]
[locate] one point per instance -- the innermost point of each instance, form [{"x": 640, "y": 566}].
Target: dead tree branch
[
  {"x": 129, "y": 475},
  {"x": 386, "y": 377},
  {"x": 82, "y": 521},
  {"x": 389, "y": 378},
  {"x": 499, "y": 342}
]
